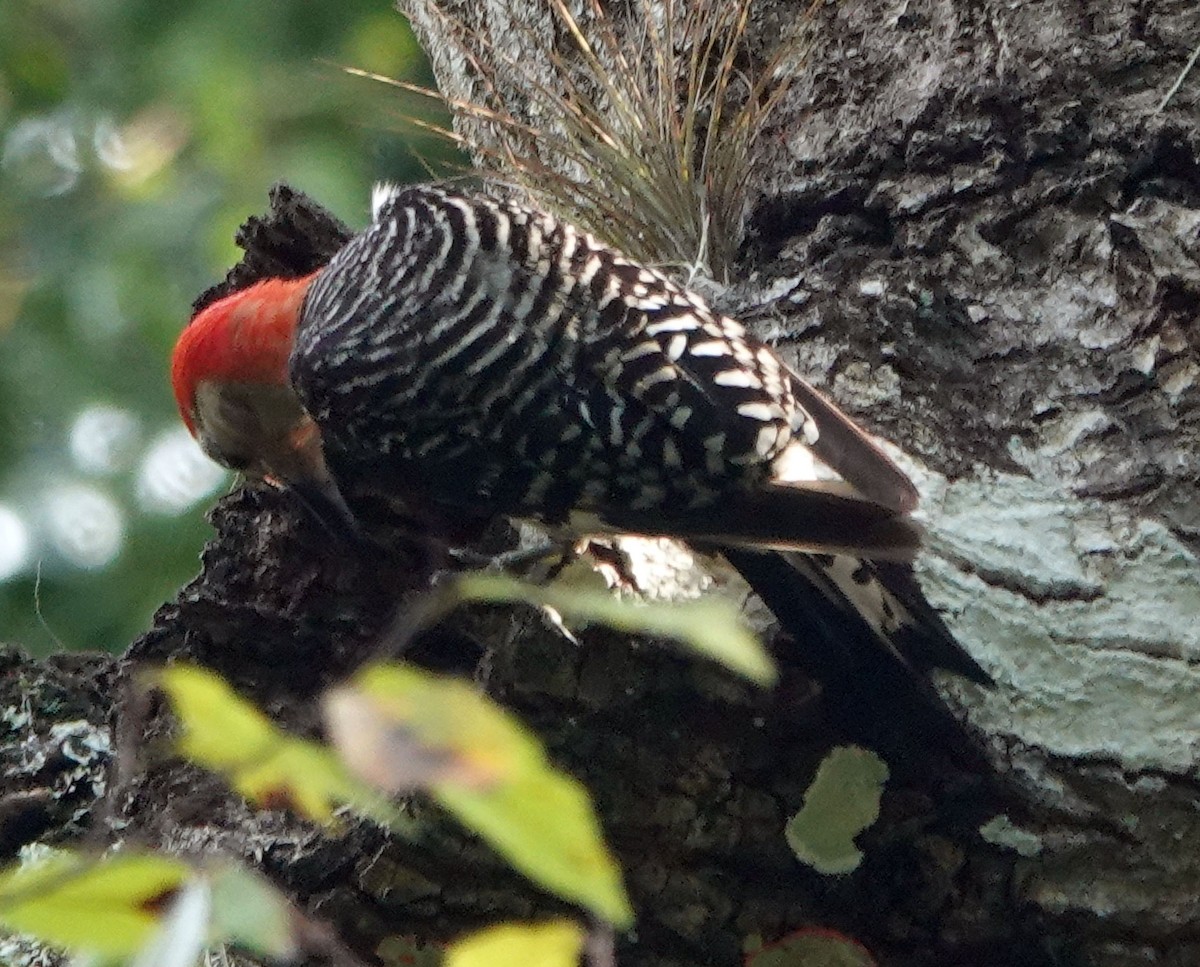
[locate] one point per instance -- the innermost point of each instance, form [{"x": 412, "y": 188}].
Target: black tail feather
[
  {"x": 925, "y": 641},
  {"x": 878, "y": 691}
]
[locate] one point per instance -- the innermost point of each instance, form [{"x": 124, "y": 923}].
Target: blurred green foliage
[{"x": 135, "y": 136}]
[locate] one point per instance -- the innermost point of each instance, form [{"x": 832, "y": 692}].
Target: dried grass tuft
[{"x": 646, "y": 131}]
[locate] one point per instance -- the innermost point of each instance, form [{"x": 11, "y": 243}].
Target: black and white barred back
[
  {"x": 488, "y": 358},
  {"x": 510, "y": 362}
]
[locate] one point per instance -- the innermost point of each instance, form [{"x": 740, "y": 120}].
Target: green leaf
[
  {"x": 225, "y": 902},
  {"x": 225, "y": 733},
  {"x": 710, "y": 627},
  {"x": 248, "y": 910},
  {"x": 109, "y": 906},
  {"x": 842, "y": 801},
  {"x": 398, "y": 727},
  {"x": 555, "y": 944}
]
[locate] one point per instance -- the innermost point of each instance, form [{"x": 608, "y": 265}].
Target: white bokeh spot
[
  {"x": 175, "y": 474},
  {"x": 103, "y": 438},
  {"x": 14, "y": 543},
  {"x": 85, "y": 525}
]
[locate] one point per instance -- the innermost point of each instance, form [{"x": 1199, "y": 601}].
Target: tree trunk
[{"x": 974, "y": 225}]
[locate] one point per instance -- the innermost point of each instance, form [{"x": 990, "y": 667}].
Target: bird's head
[{"x": 230, "y": 375}]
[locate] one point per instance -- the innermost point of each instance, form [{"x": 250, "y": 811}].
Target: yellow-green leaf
[
  {"x": 543, "y": 822},
  {"x": 227, "y": 734},
  {"x": 555, "y": 944},
  {"x": 711, "y": 627},
  {"x": 400, "y": 726},
  {"x": 842, "y": 801},
  {"x": 220, "y": 730},
  {"x": 108, "y": 906}
]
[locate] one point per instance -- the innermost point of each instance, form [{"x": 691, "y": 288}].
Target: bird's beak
[{"x": 302, "y": 470}]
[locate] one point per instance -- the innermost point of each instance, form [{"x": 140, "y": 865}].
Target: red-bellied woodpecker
[{"x": 491, "y": 359}]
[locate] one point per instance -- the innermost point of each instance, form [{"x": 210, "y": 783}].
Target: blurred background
[{"x": 135, "y": 136}]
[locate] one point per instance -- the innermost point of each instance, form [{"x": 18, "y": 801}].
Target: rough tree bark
[{"x": 975, "y": 227}]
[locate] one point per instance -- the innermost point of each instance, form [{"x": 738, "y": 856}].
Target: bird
[{"x": 478, "y": 356}]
